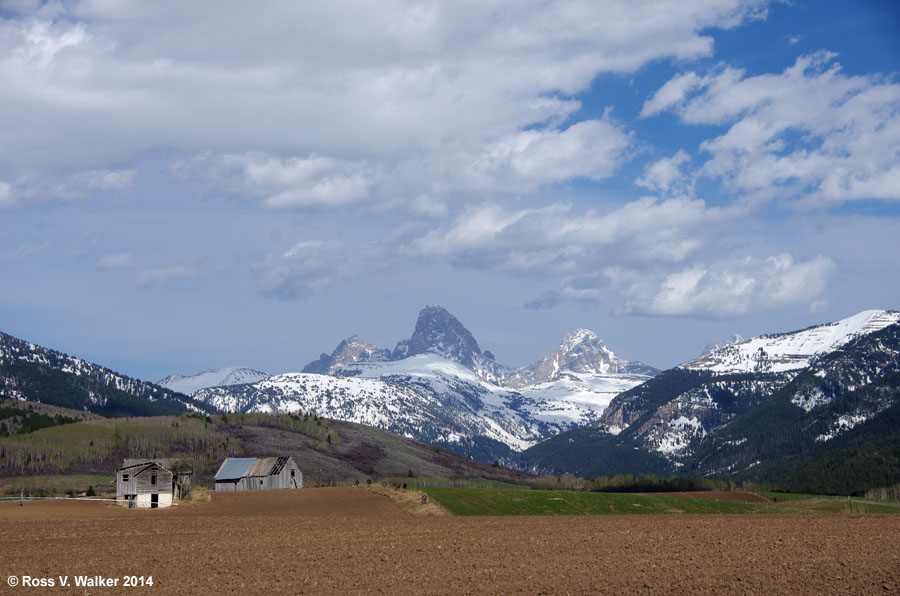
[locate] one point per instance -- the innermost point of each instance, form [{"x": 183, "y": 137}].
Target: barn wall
[
  {"x": 140, "y": 481},
  {"x": 144, "y": 485},
  {"x": 281, "y": 480}
]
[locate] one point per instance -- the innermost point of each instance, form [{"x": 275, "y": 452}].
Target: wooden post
[{"x": 21, "y": 497}]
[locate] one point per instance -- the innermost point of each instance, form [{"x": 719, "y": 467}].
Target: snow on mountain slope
[
  {"x": 213, "y": 377},
  {"x": 427, "y": 405},
  {"x": 439, "y": 386},
  {"x": 791, "y": 351},
  {"x": 351, "y": 350},
  {"x": 34, "y": 373},
  {"x": 578, "y": 400},
  {"x": 580, "y": 352},
  {"x": 430, "y": 398}
]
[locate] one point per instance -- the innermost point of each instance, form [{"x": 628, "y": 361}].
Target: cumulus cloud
[
  {"x": 277, "y": 183},
  {"x": 732, "y": 288},
  {"x": 665, "y": 174},
  {"x": 116, "y": 261},
  {"x": 591, "y": 149},
  {"x": 670, "y": 94},
  {"x": 373, "y": 86},
  {"x": 36, "y": 187},
  {"x": 811, "y": 132},
  {"x": 647, "y": 228}
]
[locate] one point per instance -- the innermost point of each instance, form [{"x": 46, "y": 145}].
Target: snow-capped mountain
[
  {"x": 790, "y": 351},
  {"x": 439, "y": 386},
  {"x": 349, "y": 351},
  {"x": 30, "y": 372},
  {"x": 743, "y": 375},
  {"x": 212, "y": 377},
  {"x": 753, "y": 399},
  {"x": 439, "y": 332},
  {"x": 425, "y": 397},
  {"x": 731, "y": 340},
  {"x": 580, "y": 353}
]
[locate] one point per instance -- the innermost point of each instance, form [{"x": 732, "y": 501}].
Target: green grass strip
[{"x": 473, "y": 501}]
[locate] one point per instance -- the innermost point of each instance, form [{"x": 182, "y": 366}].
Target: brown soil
[{"x": 348, "y": 540}]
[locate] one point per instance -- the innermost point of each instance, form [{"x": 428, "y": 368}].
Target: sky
[{"x": 184, "y": 188}]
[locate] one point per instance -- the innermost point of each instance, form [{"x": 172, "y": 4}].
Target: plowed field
[{"x": 340, "y": 541}]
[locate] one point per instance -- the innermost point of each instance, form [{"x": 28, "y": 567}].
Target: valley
[{"x": 774, "y": 410}]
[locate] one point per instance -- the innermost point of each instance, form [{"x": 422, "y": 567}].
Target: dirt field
[{"x": 353, "y": 541}]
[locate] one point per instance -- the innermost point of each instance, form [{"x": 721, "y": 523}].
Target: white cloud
[
  {"x": 6, "y": 193},
  {"x": 278, "y": 183},
  {"x": 590, "y": 149},
  {"x": 36, "y": 187},
  {"x": 311, "y": 266},
  {"x": 732, "y": 288},
  {"x": 558, "y": 243},
  {"x": 376, "y": 86},
  {"x": 670, "y": 94},
  {"x": 664, "y": 174},
  {"x": 116, "y": 261},
  {"x": 812, "y": 132},
  {"x": 649, "y": 227}
]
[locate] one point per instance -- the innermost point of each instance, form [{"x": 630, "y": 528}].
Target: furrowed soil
[{"x": 355, "y": 541}]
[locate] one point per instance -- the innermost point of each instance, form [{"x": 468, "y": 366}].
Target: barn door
[{"x": 154, "y": 501}]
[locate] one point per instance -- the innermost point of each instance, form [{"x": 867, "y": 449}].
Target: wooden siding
[
  {"x": 145, "y": 479},
  {"x": 280, "y": 474}
]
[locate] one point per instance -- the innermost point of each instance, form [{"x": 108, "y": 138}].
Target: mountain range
[
  {"x": 788, "y": 408},
  {"x": 29, "y": 372},
  {"x": 756, "y": 409},
  {"x": 439, "y": 386}
]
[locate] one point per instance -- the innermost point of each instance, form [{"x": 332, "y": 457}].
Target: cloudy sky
[{"x": 183, "y": 188}]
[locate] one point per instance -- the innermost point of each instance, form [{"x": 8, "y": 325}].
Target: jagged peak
[
  {"x": 731, "y": 340},
  {"x": 437, "y": 331},
  {"x": 581, "y": 336}
]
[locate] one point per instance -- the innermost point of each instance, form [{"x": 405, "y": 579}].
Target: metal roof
[{"x": 234, "y": 468}]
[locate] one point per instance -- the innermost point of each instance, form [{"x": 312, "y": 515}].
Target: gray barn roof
[
  {"x": 174, "y": 465},
  {"x": 234, "y": 468}
]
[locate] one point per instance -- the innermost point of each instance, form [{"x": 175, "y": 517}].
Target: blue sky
[{"x": 182, "y": 190}]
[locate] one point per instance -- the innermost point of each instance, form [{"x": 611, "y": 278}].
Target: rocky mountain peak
[
  {"x": 351, "y": 350},
  {"x": 579, "y": 352},
  {"x": 439, "y": 332},
  {"x": 731, "y": 340}
]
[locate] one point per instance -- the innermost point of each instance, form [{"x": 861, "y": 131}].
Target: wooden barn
[
  {"x": 258, "y": 473},
  {"x": 152, "y": 482}
]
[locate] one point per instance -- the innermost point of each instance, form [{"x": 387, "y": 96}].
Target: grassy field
[
  {"x": 57, "y": 484},
  {"x": 464, "y": 501},
  {"x": 832, "y": 504},
  {"x": 471, "y": 501}
]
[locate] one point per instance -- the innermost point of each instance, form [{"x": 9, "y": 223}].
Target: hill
[
  {"x": 32, "y": 373},
  {"x": 324, "y": 449},
  {"x": 826, "y": 418}
]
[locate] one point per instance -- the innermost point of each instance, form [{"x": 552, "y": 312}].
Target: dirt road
[{"x": 340, "y": 541}]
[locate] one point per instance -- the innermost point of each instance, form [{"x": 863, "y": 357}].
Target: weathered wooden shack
[
  {"x": 152, "y": 482},
  {"x": 258, "y": 473}
]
